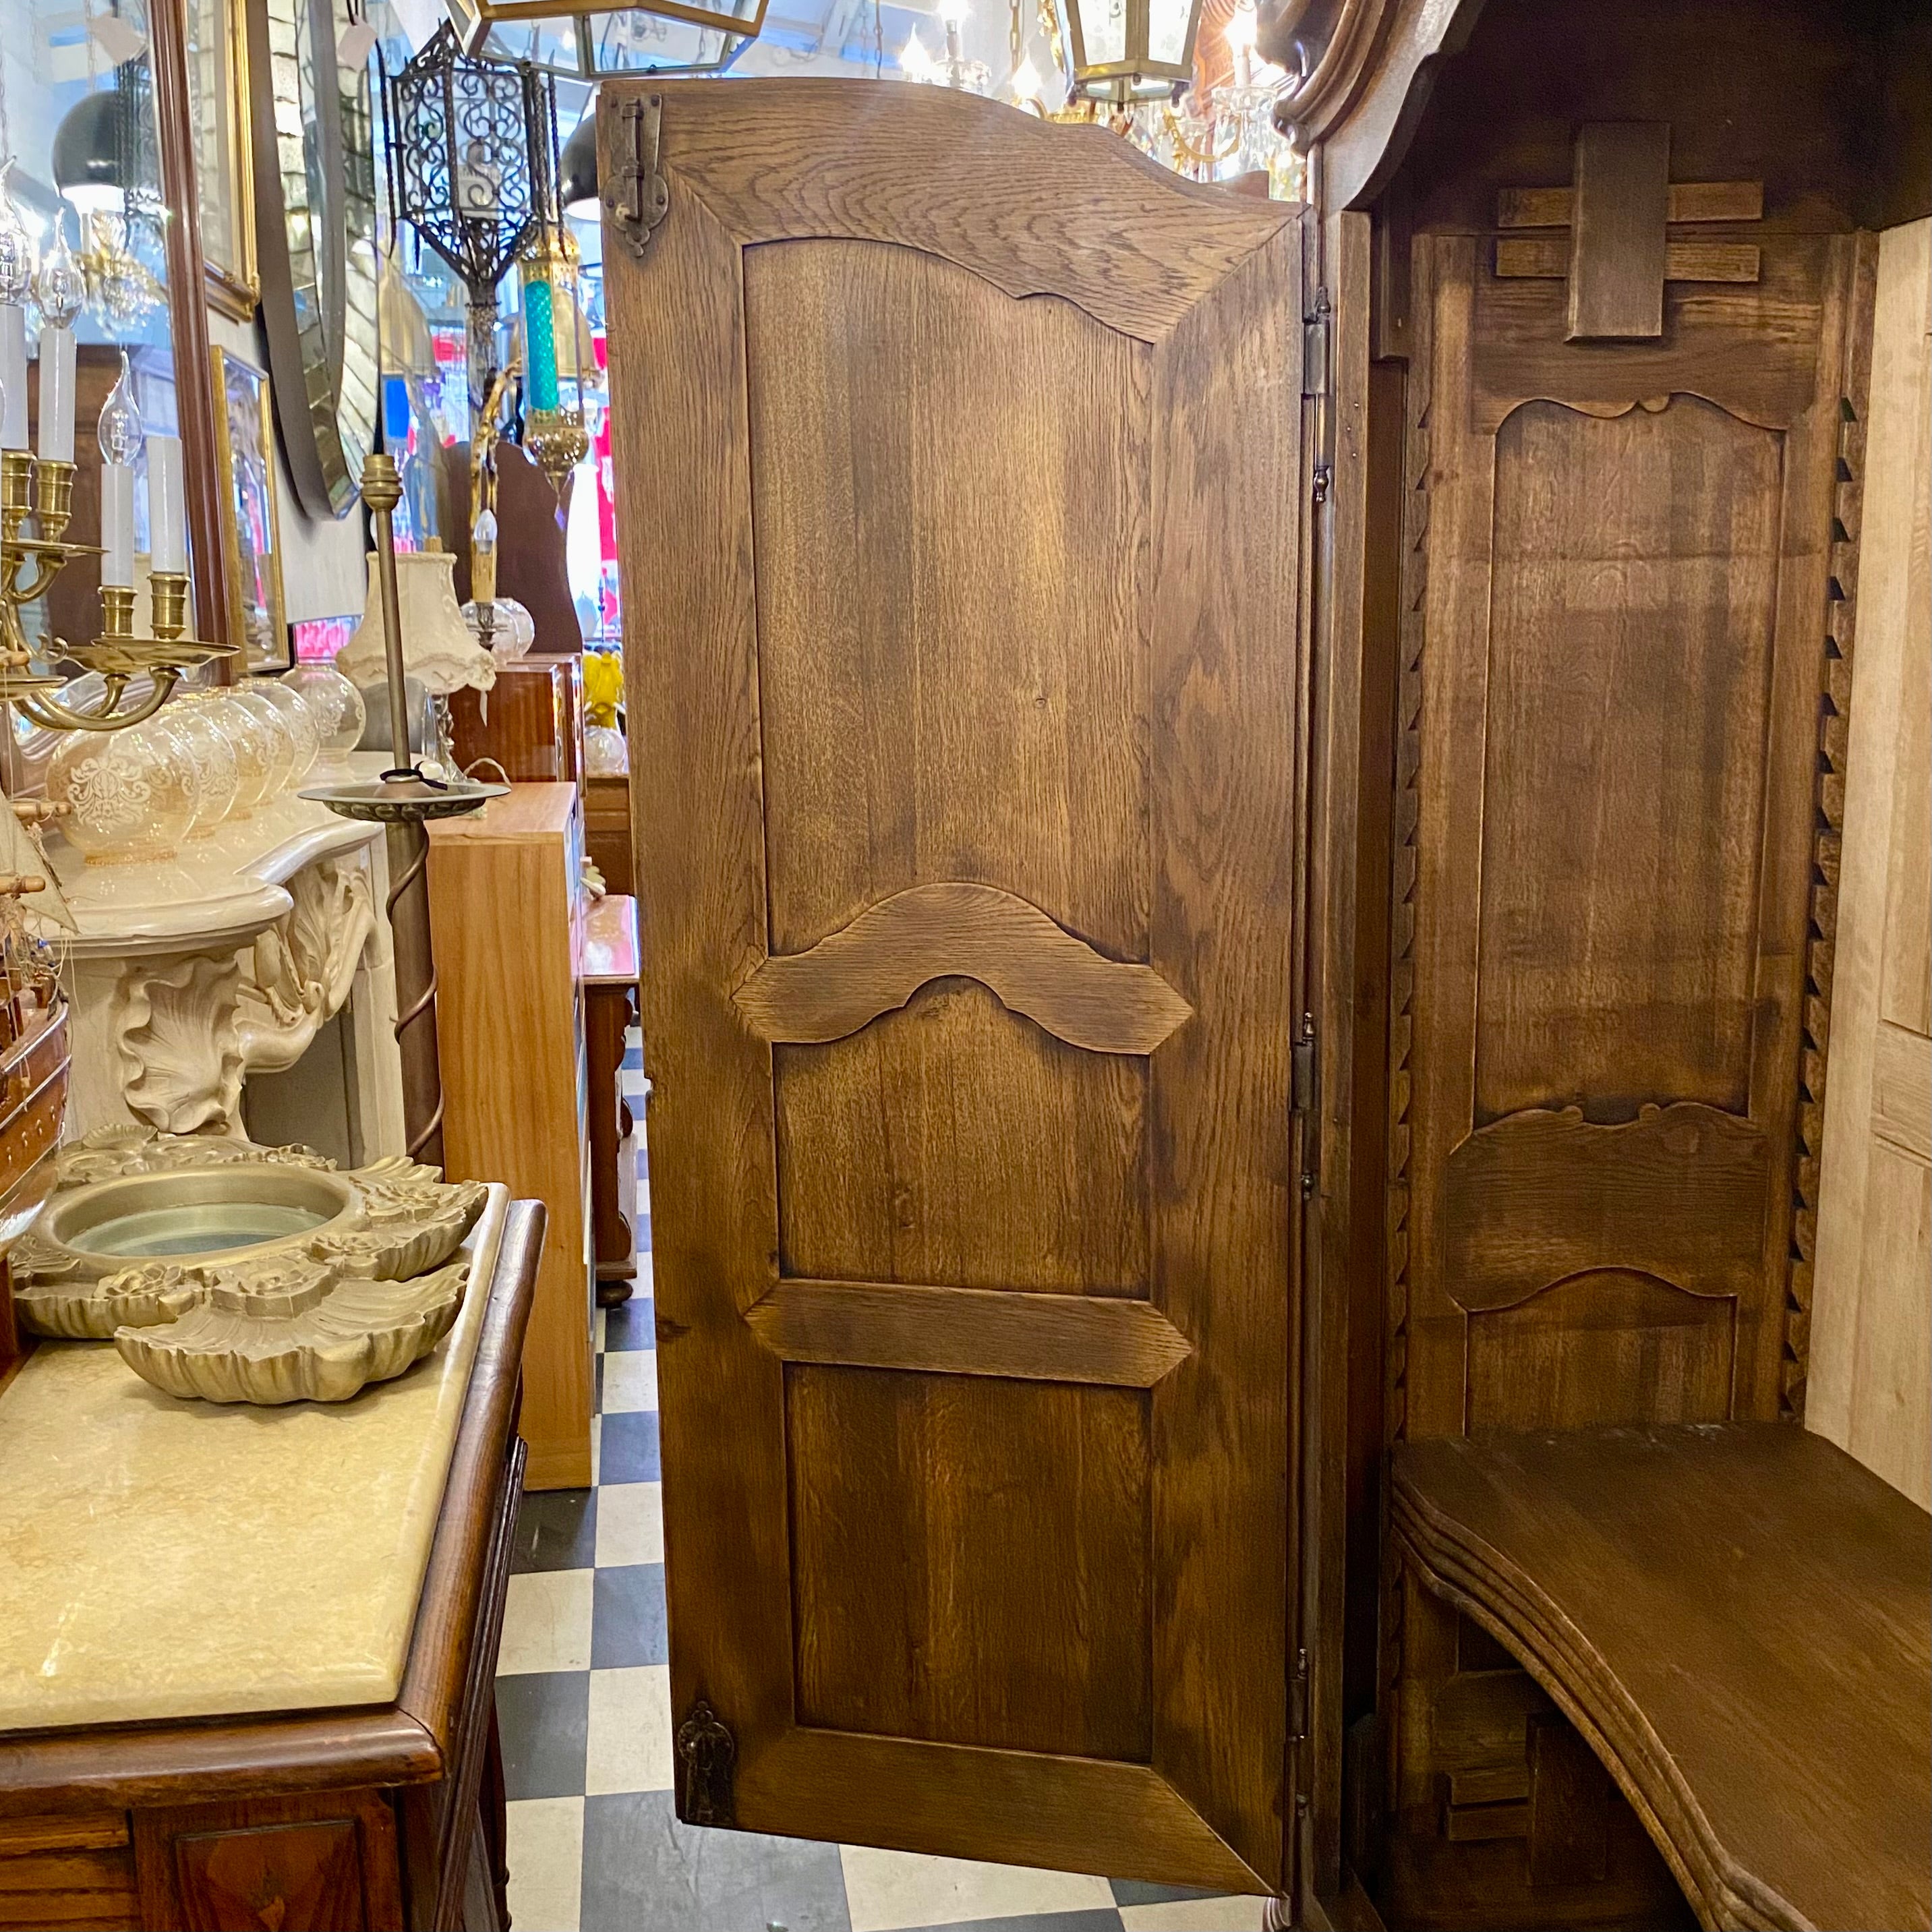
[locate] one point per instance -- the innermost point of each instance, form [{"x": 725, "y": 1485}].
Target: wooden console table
[
  {"x": 1737, "y": 1618},
  {"x": 371, "y": 1818}
]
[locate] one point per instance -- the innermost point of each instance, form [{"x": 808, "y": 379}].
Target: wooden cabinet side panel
[
  {"x": 1869, "y": 1388},
  {"x": 509, "y": 1030}
]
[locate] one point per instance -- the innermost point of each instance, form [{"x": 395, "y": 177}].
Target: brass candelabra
[{"x": 42, "y": 490}]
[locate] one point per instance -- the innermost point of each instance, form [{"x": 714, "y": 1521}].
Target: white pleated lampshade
[{"x": 438, "y": 651}]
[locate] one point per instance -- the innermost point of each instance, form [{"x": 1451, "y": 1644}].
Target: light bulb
[
  {"x": 120, "y": 429},
  {"x": 1239, "y": 33},
  {"x": 17, "y": 244},
  {"x": 955, "y": 13},
  {"x": 59, "y": 287},
  {"x": 484, "y": 537},
  {"x": 1025, "y": 81},
  {"x": 915, "y": 62}
]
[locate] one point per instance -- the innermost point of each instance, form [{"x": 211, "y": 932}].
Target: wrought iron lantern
[
  {"x": 472, "y": 160},
  {"x": 1122, "y": 51},
  {"x": 585, "y": 39}
]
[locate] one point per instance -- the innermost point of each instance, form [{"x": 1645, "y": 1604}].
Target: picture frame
[
  {"x": 219, "y": 120},
  {"x": 251, "y": 544}
]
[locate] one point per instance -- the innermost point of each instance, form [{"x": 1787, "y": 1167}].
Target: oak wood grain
[
  {"x": 970, "y": 1331},
  {"x": 1618, "y": 208},
  {"x": 1128, "y": 242},
  {"x": 1686, "y": 201},
  {"x": 1547, "y": 259},
  {"x": 1537, "y": 1196},
  {"x": 1033, "y": 642},
  {"x": 506, "y": 916},
  {"x": 1788, "y": 1775},
  {"x": 956, "y": 927}
]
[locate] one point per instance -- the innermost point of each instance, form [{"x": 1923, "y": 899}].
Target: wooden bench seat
[{"x": 1737, "y": 1618}]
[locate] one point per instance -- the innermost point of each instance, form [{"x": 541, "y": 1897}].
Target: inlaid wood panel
[
  {"x": 968, "y": 714},
  {"x": 914, "y": 1499}
]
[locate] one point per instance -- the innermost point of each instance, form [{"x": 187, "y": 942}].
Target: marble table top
[{"x": 161, "y": 1559}]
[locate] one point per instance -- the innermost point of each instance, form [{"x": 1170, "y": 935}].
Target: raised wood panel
[
  {"x": 1540, "y": 1197},
  {"x": 1610, "y": 1346},
  {"x": 931, "y": 676},
  {"x": 956, "y": 1143},
  {"x": 968, "y": 509},
  {"x": 915, "y": 1499},
  {"x": 279, "y": 1875},
  {"x": 1635, "y": 564},
  {"x": 1622, "y": 571}
]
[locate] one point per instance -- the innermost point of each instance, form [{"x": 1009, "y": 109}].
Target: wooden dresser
[
  {"x": 370, "y": 1817},
  {"x": 506, "y": 911}
]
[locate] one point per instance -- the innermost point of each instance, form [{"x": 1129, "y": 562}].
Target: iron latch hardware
[
  {"x": 1297, "y": 1699},
  {"x": 636, "y": 195},
  {"x": 1304, "y": 1073},
  {"x": 1318, "y": 386},
  {"x": 706, "y": 1756}
]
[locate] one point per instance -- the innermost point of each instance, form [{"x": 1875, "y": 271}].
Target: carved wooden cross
[{"x": 1619, "y": 214}]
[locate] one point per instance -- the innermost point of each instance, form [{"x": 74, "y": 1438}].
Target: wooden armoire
[{"x": 1236, "y": 813}]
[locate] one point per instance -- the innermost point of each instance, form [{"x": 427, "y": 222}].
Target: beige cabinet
[{"x": 1871, "y": 1323}]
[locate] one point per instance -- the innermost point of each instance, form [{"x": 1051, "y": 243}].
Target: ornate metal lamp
[{"x": 472, "y": 155}]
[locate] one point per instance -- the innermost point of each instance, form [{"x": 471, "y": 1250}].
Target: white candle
[
  {"x": 117, "y": 524},
  {"x": 167, "y": 508},
  {"x": 13, "y": 377},
  {"x": 56, "y": 395}
]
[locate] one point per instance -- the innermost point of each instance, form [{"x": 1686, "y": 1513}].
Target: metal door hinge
[
  {"x": 636, "y": 196},
  {"x": 1303, "y": 1083},
  {"x": 1297, "y": 1699},
  {"x": 1318, "y": 386},
  {"x": 706, "y": 1755}
]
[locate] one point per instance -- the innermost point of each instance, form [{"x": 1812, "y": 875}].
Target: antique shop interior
[{"x": 968, "y": 965}]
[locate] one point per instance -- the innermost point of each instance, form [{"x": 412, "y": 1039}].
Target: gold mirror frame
[
  {"x": 318, "y": 265},
  {"x": 218, "y": 98}
]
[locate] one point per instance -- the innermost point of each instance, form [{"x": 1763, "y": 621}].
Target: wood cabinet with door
[
  {"x": 1245, "y": 810},
  {"x": 964, "y": 457}
]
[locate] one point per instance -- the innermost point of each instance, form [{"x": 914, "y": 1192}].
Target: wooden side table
[{"x": 610, "y": 1006}]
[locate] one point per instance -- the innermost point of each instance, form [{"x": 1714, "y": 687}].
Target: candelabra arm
[{"x": 53, "y": 715}]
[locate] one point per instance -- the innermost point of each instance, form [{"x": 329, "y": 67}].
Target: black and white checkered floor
[{"x": 583, "y": 1695}]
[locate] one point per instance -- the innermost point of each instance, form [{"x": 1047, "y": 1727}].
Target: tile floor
[{"x": 583, "y": 1695}]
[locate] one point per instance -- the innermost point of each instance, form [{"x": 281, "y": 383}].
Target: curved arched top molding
[
  {"x": 956, "y": 928},
  {"x": 1326, "y": 46},
  {"x": 1126, "y": 240},
  {"x": 1532, "y": 1199}
]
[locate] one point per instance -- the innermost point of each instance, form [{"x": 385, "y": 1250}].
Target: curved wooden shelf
[{"x": 1737, "y": 1618}]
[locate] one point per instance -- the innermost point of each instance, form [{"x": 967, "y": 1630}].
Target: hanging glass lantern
[
  {"x": 1129, "y": 50},
  {"x": 586, "y": 41}
]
